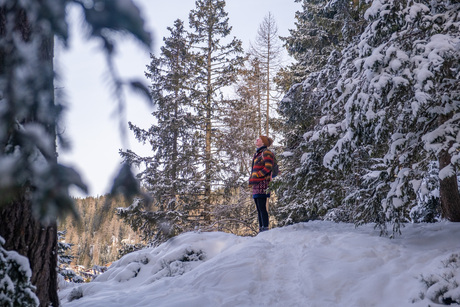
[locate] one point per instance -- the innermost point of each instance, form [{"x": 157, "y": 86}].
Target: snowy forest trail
[{"x": 308, "y": 264}]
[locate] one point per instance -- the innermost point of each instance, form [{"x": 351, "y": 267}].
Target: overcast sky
[{"x": 90, "y": 122}]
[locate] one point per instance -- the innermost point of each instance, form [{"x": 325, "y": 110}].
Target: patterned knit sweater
[{"x": 262, "y": 165}]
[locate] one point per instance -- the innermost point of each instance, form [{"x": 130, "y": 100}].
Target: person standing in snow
[{"x": 261, "y": 169}]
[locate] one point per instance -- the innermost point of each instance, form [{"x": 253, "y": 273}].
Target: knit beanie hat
[{"x": 266, "y": 140}]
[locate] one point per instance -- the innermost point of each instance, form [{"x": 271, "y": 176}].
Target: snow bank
[{"x": 308, "y": 264}]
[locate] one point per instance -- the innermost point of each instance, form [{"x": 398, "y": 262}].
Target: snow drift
[{"x": 308, "y": 264}]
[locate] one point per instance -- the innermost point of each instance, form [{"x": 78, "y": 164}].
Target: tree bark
[
  {"x": 267, "y": 125},
  {"x": 208, "y": 127},
  {"x": 18, "y": 226},
  {"x": 448, "y": 191},
  {"x": 25, "y": 235},
  {"x": 259, "y": 108}
]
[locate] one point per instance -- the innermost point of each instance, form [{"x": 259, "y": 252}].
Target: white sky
[{"x": 90, "y": 123}]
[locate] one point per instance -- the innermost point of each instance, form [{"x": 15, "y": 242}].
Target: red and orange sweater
[{"x": 262, "y": 165}]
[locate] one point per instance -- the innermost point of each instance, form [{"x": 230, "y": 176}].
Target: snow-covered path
[{"x": 309, "y": 264}]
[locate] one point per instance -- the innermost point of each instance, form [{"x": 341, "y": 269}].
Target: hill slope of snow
[{"x": 308, "y": 264}]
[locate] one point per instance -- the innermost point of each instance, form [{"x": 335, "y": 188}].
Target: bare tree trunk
[
  {"x": 259, "y": 111},
  {"x": 448, "y": 190},
  {"x": 21, "y": 231},
  {"x": 267, "y": 128}
]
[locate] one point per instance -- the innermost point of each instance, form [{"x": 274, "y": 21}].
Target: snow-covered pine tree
[
  {"x": 306, "y": 189},
  {"x": 171, "y": 176},
  {"x": 16, "y": 288},
  {"x": 218, "y": 59},
  {"x": 428, "y": 209},
  {"x": 405, "y": 101},
  {"x": 65, "y": 258},
  {"x": 321, "y": 27},
  {"x": 399, "y": 91}
]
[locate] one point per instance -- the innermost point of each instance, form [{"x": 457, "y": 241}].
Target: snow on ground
[{"x": 308, "y": 264}]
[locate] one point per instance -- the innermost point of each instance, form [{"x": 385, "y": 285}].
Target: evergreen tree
[
  {"x": 200, "y": 141},
  {"x": 16, "y": 288},
  {"x": 404, "y": 107},
  {"x": 171, "y": 176},
  {"x": 311, "y": 121},
  {"x": 391, "y": 114},
  {"x": 322, "y": 27},
  {"x": 63, "y": 248},
  {"x": 216, "y": 67},
  {"x": 65, "y": 258},
  {"x": 306, "y": 189}
]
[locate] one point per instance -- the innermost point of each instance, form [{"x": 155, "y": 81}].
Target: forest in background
[{"x": 99, "y": 234}]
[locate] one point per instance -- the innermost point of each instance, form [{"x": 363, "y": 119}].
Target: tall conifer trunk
[
  {"x": 174, "y": 144},
  {"x": 174, "y": 152},
  {"x": 18, "y": 226},
  {"x": 207, "y": 189}
]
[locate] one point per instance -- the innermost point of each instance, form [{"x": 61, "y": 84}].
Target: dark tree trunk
[
  {"x": 448, "y": 187},
  {"x": 448, "y": 190},
  {"x": 24, "y": 234},
  {"x": 18, "y": 226}
]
